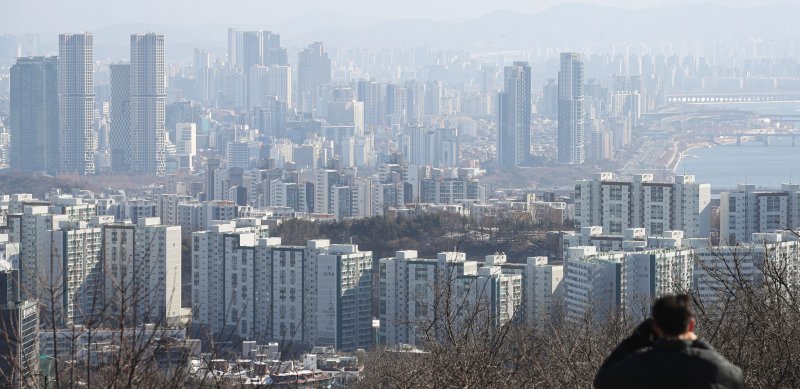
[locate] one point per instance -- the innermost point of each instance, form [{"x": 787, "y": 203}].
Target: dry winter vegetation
[{"x": 755, "y": 325}]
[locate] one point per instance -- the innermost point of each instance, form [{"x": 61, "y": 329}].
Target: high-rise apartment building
[
  {"x": 548, "y": 105},
  {"x": 544, "y": 289},
  {"x": 745, "y": 211},
  {"x": 280, "y": 83},
  {"x": 120, "y": 116},
  {"x": 593, "y": 284},
  {"x": 247, "y": 284},
  {"x": 497, "y": 294},
  {"x": 248, "y": 48},
  {"x": 601, "y": 284},
  {"x": 616, "y": 205},
  {"x": 272, "y": 54},
  {"x": 570, "y": 110},
  {"x": 313, "y": 70},
  {"x": 416, "y": 291},
  {"x": 766, "y": 256},
  {"x": 76, "y": 103},
  {"x": 432, "y": 98},
  {"x": 514, "y": 117},
  {"x": 72, "y": 276},
  {"x": 396, "y": 100},
  {"x": 19, "y": 345},
  {"x": 424, "y": 146},
  {"x": 186, "y": 145},
  {"x": 34, "y": 115},
  {"x": 257, "y": 87},
  {"x": 270, "y": 119},
  {"x": 249, "y": 51},
  {"x": 30, "y": 228},
  {"x": 225, "y": 297},
  {"x": 148, "y": 100},
  {"x": 142, "y": 267},
  {"x": 203, "y": 75},
  {"x": 344, "y": 297},
  {"x": 408, "y": 291},
  {"x": 369, "y": 92}
]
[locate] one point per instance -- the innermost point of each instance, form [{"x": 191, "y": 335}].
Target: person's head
[{"x": 672, "y": 315}]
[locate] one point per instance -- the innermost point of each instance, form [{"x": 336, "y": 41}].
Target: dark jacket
[{"x": 670, "y": 363}]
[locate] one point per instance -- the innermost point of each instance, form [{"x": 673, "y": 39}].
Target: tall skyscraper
[
  {"x": 34, "y": 115},
  {"x": 433, "y": 98},
  {"x": 514, "y": 116},
  {"x": 570, "y": 110},
  {"x": 280, "y": 83},
  {"x": 120, "y": 115},
  {"x": 233, "y": 40},
  {"x": 369, "y": 92},
  {"x": 148, "y": 99},
  {"x": 202, "y": 75},
  {"x": 313, "y": 70},
  {"x": 272, "y": 53},
  {"x": 257, "y": 87},
  {"x": 249, "y": 49},
  {"x": 76, "y": 102}
]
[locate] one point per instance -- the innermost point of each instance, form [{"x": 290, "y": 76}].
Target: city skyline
[{"x": 303, "y": 193}]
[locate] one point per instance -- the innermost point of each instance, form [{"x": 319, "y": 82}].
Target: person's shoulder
[{"x": 723, "y": 368}]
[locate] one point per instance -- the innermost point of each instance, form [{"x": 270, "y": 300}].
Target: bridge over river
[{"x": 744, "y": 97}]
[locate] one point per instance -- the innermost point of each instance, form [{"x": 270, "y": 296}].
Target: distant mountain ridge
[
  {"x": 567, "y": 26},
  {"x": 575, "y": 25}
]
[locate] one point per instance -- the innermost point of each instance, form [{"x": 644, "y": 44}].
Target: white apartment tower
[
  {"x": 76, "y": 102},
  {"x": 230, "y": 292},
  {"x": 120, "y": 116},
  {"x": 570, "y": 110},
  {"x": 593, "y": 286},
  {"x": 408, "y": 291},
  {"x": 491, "y": 295},
  {"x": 514, "y": 116},
  {"x": 143, "y": 270},
  {"x": 616, "y": 205},
  {"x": 599, "y": 284},
  {"x": 247, "y": 284},
  {"x": 280, "y": 83},
  {"x": 73, "y": 274},
  {"x": 186, "y": 145},
  {"x": 313, "y": 70},
  {"x": 544, "y": 290},
  {"x": 745, "y": 211},
  {"x": 147, "y": 102},
  {"x": 344, "y": 298}
]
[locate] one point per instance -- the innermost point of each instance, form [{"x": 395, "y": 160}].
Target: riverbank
[
  {"x": 684, "y": 148},
  {"x": 682, "y": 152}
]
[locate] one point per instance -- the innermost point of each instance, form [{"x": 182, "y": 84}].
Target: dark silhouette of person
[{"x": 676, "y": 357}]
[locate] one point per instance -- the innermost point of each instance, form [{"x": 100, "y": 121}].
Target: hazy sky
[{"x": 79, "y": 15}]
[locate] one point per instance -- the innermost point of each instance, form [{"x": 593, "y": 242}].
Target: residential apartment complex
[{"x": 617, "y": 205}]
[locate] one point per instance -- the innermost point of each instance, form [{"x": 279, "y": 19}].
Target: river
[{"x": 754, "y": 163}]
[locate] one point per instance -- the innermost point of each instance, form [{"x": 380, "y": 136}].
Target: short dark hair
[{"x": 673, "y": 313}]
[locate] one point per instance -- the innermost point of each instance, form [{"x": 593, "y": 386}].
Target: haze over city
[{"x": 395, "y": 194}]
